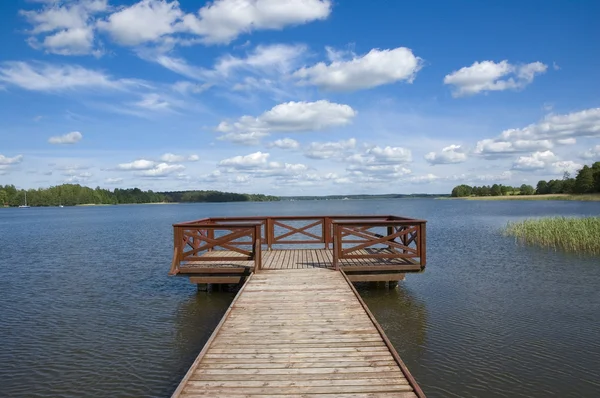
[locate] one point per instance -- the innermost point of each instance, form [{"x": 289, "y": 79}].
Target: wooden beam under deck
[{"x": 298, "y": 332}]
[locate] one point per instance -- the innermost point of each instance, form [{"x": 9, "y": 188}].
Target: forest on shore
[
  {"x": 75, "y": 194},
  {"x": 586, "y": 181}
]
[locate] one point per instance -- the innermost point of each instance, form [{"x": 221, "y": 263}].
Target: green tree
[
  {"x": 584, "y": 182},
  {"x": 541, "y": 188},
  {"x": 496, "y": 190},
  {"x": 3, "y": 198},
  {"x": 526, "y": 190}
]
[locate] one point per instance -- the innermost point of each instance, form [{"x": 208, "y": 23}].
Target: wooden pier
[
  {"x": 298, "y": 327},
  {"x": 367, "y": 248}
]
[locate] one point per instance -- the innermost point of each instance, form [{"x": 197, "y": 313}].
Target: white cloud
[
  {"x": 488, "y": 76},
  {"x": 223, "y": 20},
  {"x": 275, "y": 57},
  {"x": 377, "y": 172},
  {"x": 285, "y": 143},
  {"x": 559, "y": 129},
  {"x": 145, "y": 21},
  {"x": 592, "y": 153},
  {"x": 47, "y": 77},
  {"x": 566, "y": 165},
  {"x": 449, "y": 154},
  {"x": 293, "y": 117},
  {"x": 67, "y": 27},
  {"x": 245, "y": 162},
  {"x": 389, "y": 154},
  {"x": 5, "y": 160},
  {"x": 326, "y": 150},
  {"x": 173, "y": 158},
  {"x": 249, "y": 139},
  {"x": 161, "y": 170},
  {"x": 113, "y": 180},
  {"x": 537, "y": 161},
  {"x": 503, "y": 176},
  {"x": 423, "y": 179},
  {"x": 381, "y": 156},
  {"x": 154, "y": 102},
  {"x": 69, "y": 138},
  {"x": 376, "y": 68},
  {"x": 140, "y": 164},
  {"x": 567, "y": 141}
]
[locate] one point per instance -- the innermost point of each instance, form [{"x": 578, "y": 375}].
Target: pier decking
[
  {"x": 298, "y": 333},
  {"x": 297, "y": 327}
]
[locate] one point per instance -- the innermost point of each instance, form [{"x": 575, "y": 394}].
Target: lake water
[{"x": 87, "y": 308}]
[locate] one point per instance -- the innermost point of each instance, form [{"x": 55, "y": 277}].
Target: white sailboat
[{"x": 24, "y": 206}]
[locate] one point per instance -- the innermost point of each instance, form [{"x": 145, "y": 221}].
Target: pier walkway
[
  {"x": 298, "y": 333},
  {"x": 298, "y": 327}
]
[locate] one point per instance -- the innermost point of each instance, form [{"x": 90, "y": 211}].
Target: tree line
[
  {"x": 75, "y": 194},
  {"x": 587, "y": 180}
]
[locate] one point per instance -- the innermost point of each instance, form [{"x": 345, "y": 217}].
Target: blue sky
[{"x": 292, "y": 97}]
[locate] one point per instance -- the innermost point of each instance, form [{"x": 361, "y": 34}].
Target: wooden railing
[
  {"x": 352, "y": 237},
  {"x": 393, "y": 239},
  {"x": 193, "y": 238}
]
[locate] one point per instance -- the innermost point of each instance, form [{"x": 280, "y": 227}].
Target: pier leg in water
[{"x": 202, "y": 287}]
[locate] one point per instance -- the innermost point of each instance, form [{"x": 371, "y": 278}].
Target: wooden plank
[
  {"x": 375, "y": 277},
  {"x": 215, "y": 279},
  {"x": 297, "y": 332}
]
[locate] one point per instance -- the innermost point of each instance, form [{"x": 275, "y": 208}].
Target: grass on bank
[
  {"x": 575, "y": 235},
  {"x": 558, "y": 196}
]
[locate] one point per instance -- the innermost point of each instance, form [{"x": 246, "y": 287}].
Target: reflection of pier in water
[{"x": 298, "y": 327}]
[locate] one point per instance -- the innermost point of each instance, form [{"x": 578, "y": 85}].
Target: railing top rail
[
  {"x": 410, "y": 221},
  {"x": 236, "y": 224},
  {"x": 336, "y": 217}
]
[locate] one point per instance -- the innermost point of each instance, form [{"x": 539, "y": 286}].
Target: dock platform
[{"x": 298, "y": 333}]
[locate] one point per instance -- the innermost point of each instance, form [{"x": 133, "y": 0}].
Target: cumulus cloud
[
  {"x": 381, "y": 156},
  {"x": 285, "y": 143},
  {"x": 376, "y": 68},
  {"x": 491, "y": 76},
  {"x": 47, "y": 77},
  {"x": 224, "y": 20},
  {"x": 258, "y": 165},
  {"x": 293, "y": 117},
  {"x": 69, "y": 138},
  {"x": 113, "y": 180},
  {"x": 326, "y": 150},
  {"x": 161, "y": 170},
  {"x": 449, "y": 154},
  {"x": 5, "y": 160},
  {"x": 142, "y": 22},
  {"x": 560, "y": 129},
  {"x": 78, "y": 178},
  {"x": 537, "y": 161},
  {"x": 592, "y": 153},
  {"x": 66, "y": 27},
  {"x": 140, "y": 164},
  {"x": 245, "y": 162},
  {"x": 565, "y": 166}
]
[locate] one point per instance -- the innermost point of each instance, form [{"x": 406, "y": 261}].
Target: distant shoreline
[{"x": 559, "y": 196}]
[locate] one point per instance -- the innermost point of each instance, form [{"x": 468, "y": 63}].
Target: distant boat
[{"x": 24, "y": 206}]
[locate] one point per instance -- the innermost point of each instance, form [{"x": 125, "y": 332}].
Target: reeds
[{"x": 576, "y": 235}]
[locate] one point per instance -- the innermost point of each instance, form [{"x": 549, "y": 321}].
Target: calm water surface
[{"x": 87, "y": 309}]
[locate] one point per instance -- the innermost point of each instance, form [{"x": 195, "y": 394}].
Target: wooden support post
[
  {"x": 326, "y": 231},
  {"x": 202, "y": 287},
  {"x": 257, "y": 249},
  {"x": 422, "y": 245}
]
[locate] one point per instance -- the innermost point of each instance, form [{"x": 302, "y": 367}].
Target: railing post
[
  {"x": 210, "y": 233},
  {"x": 257, "y": 248},
  {"x": 422, "y": 245},
  {"x": 269, "y": 233},
  {"x": 336, "y": 246},
  {"x": 177, "y": 249},
  {"x": 326, "y": 231}
]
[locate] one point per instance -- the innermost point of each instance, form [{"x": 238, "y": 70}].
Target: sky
[{"x": 297, "y": 97}]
